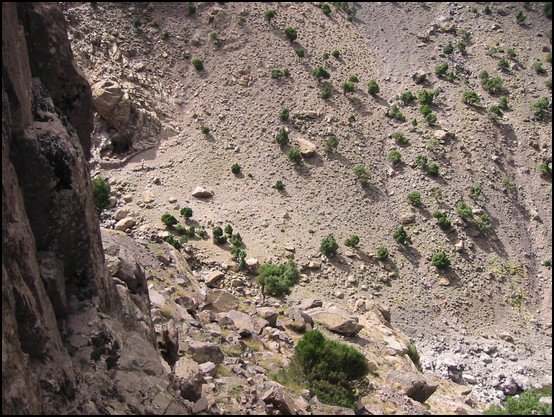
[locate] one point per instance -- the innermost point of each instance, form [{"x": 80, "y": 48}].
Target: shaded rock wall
[{"x": 63, "y": 319}]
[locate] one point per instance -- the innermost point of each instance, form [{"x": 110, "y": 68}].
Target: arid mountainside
[
  {"x": 101, "y": 315},
  {"x": 499, "y": 282}
]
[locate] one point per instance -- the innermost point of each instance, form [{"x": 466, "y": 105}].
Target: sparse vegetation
[
  {"x": 526, "y": 403},
  {"x": 471, "y": 97},
  {"x": 101, "y": 193},
  {"x": 294, "y": 155},
  {"x": 382, "y": 253},
  {"x": 352, "y": 241},
  {"x": 291, "y": 34},
  {"x": 198, "y": 64},
  {"x": 464, "y": 211},
  {"x": 236, "y": 168},
  {"x": 278, "y": 280},
  {"x": 373, "y": 87},
  {"x": 395, "y": 113},
  {"x": 348, "y": 87},
  {"x": 169, "y": 220},
  {"x": 440, "y": 260},
  {"x": 269, "y": 14},
  {"x": 331, "y": 144},
  {"x": 186, "y": 212},
  {"x": 540, "y": 108},
  {"x": 329, "y": 246},
  {"x": 400, "y": 236},
  {"x": 282, "y": 138},
  {"x": 284, "y": 115},
  {"x": 394, "y": 156},
  {"x": 320, "y": 73},
  {"x": 362, "y": 174},
  {"x": 442, "y": 219},
  {"x": 331, "y": 370},
  {"x": 414, "y": 198}
]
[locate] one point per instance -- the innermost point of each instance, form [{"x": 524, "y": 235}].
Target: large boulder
[
  {"x": 411, "y": 384},
  {"x": 337, "y": 322},
  {"x": 137, "y": 127}
]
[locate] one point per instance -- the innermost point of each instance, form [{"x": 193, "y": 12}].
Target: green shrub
[
  {"x": 471, "y": 97},
  {"x": 442, "y": 219},
  {"x": 236, "y": 240},
  {"x": 279, "y": 185},
  {"x": 495, "y": 112},
  {"x": 394, "y": 156},
  {"x": 269, "y": 14},
  {"x": 186, "y": 212},
  {"x": 414, "y": 198},
  {"x": 325, "y": 55},
  {"x": 462, "y": 48},
  {"x": 527, "y": 404},
  {"x": 348, "y": 87},
  {"x": 175, "y": 243},
  {"x": 217, "y": 235},
  {"x": 329, "y": 246},
  {"x": 331, "y": 144},
  {"x": 325, "y": 8},
  {"x": 484, "y": 223},
  {"x": 168, "y": 219},
  {"x": 400, "y": 236},
  {"x": 407, "y": 97},
  {"x": 464, "y": 211},
  {"x": 282, "y": 137},
  {"x": 503, "y": 104},
  {"x": 326, "y": 93},
  {"x": 100, "y": 193},
  {"x": 400, "y": 138},
  {"x": 540, "y": 108},
  {"x": 351, "y": 118},
  {"x": 372, "y": 87},
  {"x": 520, "y": 17},
  {"x": 483, "y": 75},
  {"x": 448, "y": 49},
  {"x": 198, "y": 64},
  {"x": 426, "y": 96},
  {"x": 440, "y": 260},
  {"x": 236, "y": 168},
  {"x": 493, "y": 85},
  {"x": 382, "y": 253},
  {"x": 205, "y": 129},
  {"x": 362, "y": 174},
  {"x": 165, "y": 35},
  {"x": 433, "y": 169},
  {"x": 300, "y": 52},
  {"x": 352, "y": 241},
  {"x": 290, "y": 33},
  {"x": 320, "y": 73},
  {"x": 278, "y": 279},
  {"x": 191, "y": 9},
  {"x": 331, "y": 369},
  {"x": 136, "y": 22},
  {"x": 425, "y": 110},
  {"x": 395, "y": 113},
  {"x": 421, "y": 160},
  {"x": 335, "y": 53},
  {"x": 213, "y": 37},
  {"x": 537, "y": 66},
  {"x": 413, "y": 354},
  {"x": 354, "y": 79},
  {"x": 294, "y": 155},
  {"x": 431, "y": 118},
  {"x": 511, "y": 53},
  {"x": 475, "y": 191},
  {"x": 547, "y": 9},
  {"x": 464, "y": 34},
  {"x": 504, "y": 64},
  {"x": 284, "y": 115},
  {"x": 441, "y": 69}
]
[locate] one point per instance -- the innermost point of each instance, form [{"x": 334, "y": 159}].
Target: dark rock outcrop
[{"x": 64, "y": 323}]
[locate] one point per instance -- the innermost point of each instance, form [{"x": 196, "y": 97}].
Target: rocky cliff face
[{"x": 59, "y": 302}]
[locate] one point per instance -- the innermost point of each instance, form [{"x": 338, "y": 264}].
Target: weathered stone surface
[
  {"x": 203, "y": 352},
  {"x": 201, "y": 192},
  {"x": 270, "y": 314},
  {"x": 337, "y": 322},
  {"x": 220, "y": 301},
  {"x": 188, "y": 378},
  {"x": 306, "y": 148},
  {"x": 410, "y": 384},
  {"x": 138, "y": 127},
  {"x": 275, "y": 394}
]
